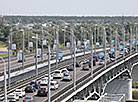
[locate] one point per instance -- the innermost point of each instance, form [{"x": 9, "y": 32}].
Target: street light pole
[
  {"x": 95, "y": 39},
  {"x": 110, "y": 38},
  {"x": 81, "y": 36},
  {"x": 136, "y": 40},
  {"x": 57, "y": 47},
  {"x": 23, "y": 51},
  {"x": 64, "y": 36},
  {"x": 104, "y": 47},
  {"x": 28, "y": 41},
  {"x": 124, "y": 42},
  {"x": 116, "y": 44},
  {"x": 36, "y": 70},
  {"x": 42, "y": 35},
  {"x": 98, "y": 34},
  {"x": 91, "y": 53},
  {"x": 49, "y": 67},
  {"x": 9, "y": 64},
  {"x": 130, "y": 40},
  {"x": 5, "y": 84}
]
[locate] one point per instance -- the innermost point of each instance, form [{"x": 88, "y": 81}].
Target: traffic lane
[
  {"x": 30, "y": 60},
  {"x": 62, "y": 84}
]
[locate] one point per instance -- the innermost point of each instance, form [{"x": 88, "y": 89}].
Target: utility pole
[
  {"x": 110, "y": 37},
  {"x": 57, "y": 45},
  {"x": 104, "y": 47},
  {"x": 49, "y": 68},
  {"x": 84, "y": 44},
  {"x": 42, "y": 35},
  {"x": 91, "y": 53},
  {"x": 28, "y": 41},
  {"x": 95, "y": 39},
  {"x": 124, "y": 42},
  {"x": 74, "y": 61},
  {"x": 116, "y": 44},
  {"x": 81, "y": 35},
  {"x": 9, "y": 64},
  {"x": 136, "y": 39},
  {"x": 64, "y": 36},
  {"x": 98, "y": 34},
  {"x": 23, "y": 51},
  {"x": 36, "y": 52},
  {"x": 130, "y": 40}
]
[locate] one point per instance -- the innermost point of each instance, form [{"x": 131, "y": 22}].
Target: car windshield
[
  {"x": 11, "y": 95},
  {"x": 52, "y": 83},
  {"x": 66, "y": 75},
  {"x": 43, "y": 88},
  {"x": 18, "y": 91},
  {"x": 28, "y": 97},
  {"x": 57, "y": 72}
]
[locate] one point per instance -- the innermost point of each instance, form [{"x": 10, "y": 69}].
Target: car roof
[{"x": 53, "y": 81}]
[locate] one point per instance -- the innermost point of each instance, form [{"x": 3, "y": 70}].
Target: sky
[{"x": 69, "y": 7}]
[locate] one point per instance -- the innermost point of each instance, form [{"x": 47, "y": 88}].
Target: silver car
[
  {"x": 67, "y": 77},
  {"x": 29, "y": 99}
]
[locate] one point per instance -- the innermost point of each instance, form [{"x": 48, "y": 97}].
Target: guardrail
[{"x": 80, "y": 82}]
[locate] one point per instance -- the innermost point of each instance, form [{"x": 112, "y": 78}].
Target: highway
[
  {"x": 30, "y": 60},
  {"x": 62, "y": 84}
]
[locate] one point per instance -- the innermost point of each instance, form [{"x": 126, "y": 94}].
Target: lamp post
[
  {"x": 49, "y": 67},
  {"x": 42, "y": 35},
  {"x": 9, "y": 64},
  {"x": 57, "y": 47},
  {"x": 124, "y": 42},
  {"x": 81, "y": 35},
  {"x": 95, "y": 39},
  {"x": 104, "y": 33},
  {"x": 5, "y": 84},
  {"x": 116, "y": 44},
  {"x": 91, "y": 53},
  {"x": 110, "y": 37},
  {"x": 23, "y": 50},
  {"x": 136, "y": 39}
]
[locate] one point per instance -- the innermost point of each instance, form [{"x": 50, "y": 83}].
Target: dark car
[
  {"x": 94, "y": 62},
  {"x": 42, "y": 91},
  {"x": 29, "y": 88},
  {"x": 70, "y": 67},
  {"x": 85, "y": 66},
  {"x": 77, "y": 64},
  {"x": 96, "y": 57},
  {"x": 29, "y": 99},
  {"x": 35, "y": 84}
]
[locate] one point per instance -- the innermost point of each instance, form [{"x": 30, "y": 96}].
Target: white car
[
  {"x": 58, "y": 74},
  {"x": 101, "y": 62},
  {"x": 43, "y": 81},
  {"x": 13, "y": 97},
  {"x": 54, "y": 85},
  {"x": 67, "y": 77},
  {"x": 20, "y": 92},
  {"x": 64, "y": 70}
]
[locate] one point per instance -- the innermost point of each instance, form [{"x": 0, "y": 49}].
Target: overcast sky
[{"x": 69, "y": 7}]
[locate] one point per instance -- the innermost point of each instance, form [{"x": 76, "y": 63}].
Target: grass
[
  {"x": 135, "y": 84},
  {"x": 3, "y": 55},
  {"x": 2, "y": 44},
  {"x": 135, "y": 94}
]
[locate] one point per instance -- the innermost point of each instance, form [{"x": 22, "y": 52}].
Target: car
[
  {"x": 42, "y": 91},
  {"x": 29, "y": 99},
  {"x": 70, "y": 67},
  {"x": 30, "y": 88},
  {"x": 96, "y": 57},
  {"x": 86, "y": 61},
  {"x": 94, "y": 62},
  {"x": 20, "y": 92},
  {"x": 67, "y": 77},
  {"x": 101, "y": 62},
  {"x": 35, "y": 84},
  {"x": 12, "y": 97},
  {"x": 44, "y": 81},
  {"x": 54, "y": 85},
  {"x": 64, "y": 70},
  {"x": 85, "y": 66},
  {"x": 78, "y": 64},
  {"x": 58, "y": 74}
]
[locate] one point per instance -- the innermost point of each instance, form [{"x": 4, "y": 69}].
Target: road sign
[
  {"x": 30, "y": 44},
  {"x": 38, "y": 52},
  {"x": 13, "y": 46},
  {"x": 44, "y": 42},
  {"x": 54, "y": 47},
  {"x": 19, "y": 56}
]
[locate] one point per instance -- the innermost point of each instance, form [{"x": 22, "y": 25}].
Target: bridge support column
[{"x": 129, "y": 89}]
